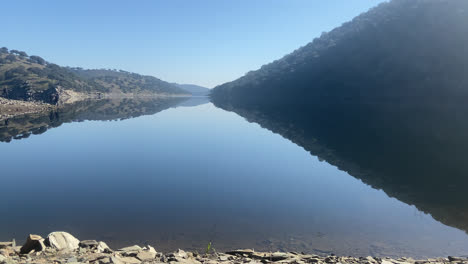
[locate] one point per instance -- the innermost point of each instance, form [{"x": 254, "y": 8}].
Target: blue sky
[{"x": 204, "y": 42}]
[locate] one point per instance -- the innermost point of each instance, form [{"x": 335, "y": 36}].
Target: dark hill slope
[{"x": 415, "y": 50}]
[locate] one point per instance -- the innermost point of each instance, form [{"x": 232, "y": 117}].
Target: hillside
[
  {"x": 194, "y": 89},
  {"x": 31, "y": 78},
  {"x": 412, "y": 50},
  {"x": 127, "y": 82}
]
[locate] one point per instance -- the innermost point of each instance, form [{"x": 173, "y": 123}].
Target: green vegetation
[
  {"x": 208, "y": 248},
  {"x": 31, "y": 78},
  {"x": 127, "y": 82}
]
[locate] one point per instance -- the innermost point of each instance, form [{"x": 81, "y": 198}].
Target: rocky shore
[
  {"x": 11, "y": 108},
  {"x": 64, "y": 248}
]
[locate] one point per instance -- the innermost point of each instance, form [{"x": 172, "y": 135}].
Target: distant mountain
[
  {"x": 194, "y": 89},
  {"x": 31, "y": 78},
  {"x": 412, "y": 50}
]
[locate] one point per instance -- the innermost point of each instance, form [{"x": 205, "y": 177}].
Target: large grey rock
[
  {"x": 62, "y": 241},
  {"x": 33, "y": 242}
]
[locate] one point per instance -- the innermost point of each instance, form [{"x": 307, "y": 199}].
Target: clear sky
[{"x": 204, "y": 42}]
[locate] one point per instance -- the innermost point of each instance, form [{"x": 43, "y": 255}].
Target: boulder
[
  {"x": 88, "y": 244},
  {"x": 62, "y": 241},
  {"x": 146, "y": 255},
  {"x": 102, "y": 247},
  {"x": 33, "y": 242},
  {"x": 130, "y": 251}
]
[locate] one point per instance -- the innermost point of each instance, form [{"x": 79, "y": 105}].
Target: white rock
[
  {"x": 102, "y": 247},
  {"x": 62, "y": 241}
]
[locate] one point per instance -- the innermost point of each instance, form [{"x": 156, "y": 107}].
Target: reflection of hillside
[
  {"x": 415, "y": 154},
  {"x": 109, "y": 109}
]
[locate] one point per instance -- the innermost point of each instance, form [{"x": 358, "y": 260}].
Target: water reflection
[
  {"x": 415, "y": 153},
  {"x": 195, "y": 173},
  {"x": 102, "y": 110}
]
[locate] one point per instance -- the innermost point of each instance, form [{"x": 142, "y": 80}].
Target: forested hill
[
  {"x": 127, "y": 82},
  {"x": 413, "y": 50},
  {"x": 31, "y": 78}
]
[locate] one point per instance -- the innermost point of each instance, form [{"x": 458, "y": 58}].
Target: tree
[
  {"x": 10, "y": 58},
  {"x": 22, "y": 54},
  {"x": 3, "y": 50},
  {"x": 37, "y": 59}
]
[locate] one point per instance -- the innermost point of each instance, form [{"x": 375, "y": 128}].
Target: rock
[
  {"x": 132, "y": 248},
  {"x": 125, "y": 260},
  {"x": 151, "y": 249},
  {"x": 2, "y": 258},
  {"x": 146, "y": 255},
  {"x": 72, "y": 260},
  {"x": 178, "y": 255},
  {"x": 33, "y": 242},
  {"x": 130, "y": 251},
  {"x": 104, "y": 261},
  {"x": 451, "y": 258},
  {"x": 277, "y": 256},
  {"x": 181, "y": 254},
  {"x": 7, "y": 251},
  {"x": 241, "y": 252},
  {"x": 102, "y": 247},
  {"x": 6, "y": 244},
  {"x": 62, "y": 241},
  {"x": 88, "y": 244}
]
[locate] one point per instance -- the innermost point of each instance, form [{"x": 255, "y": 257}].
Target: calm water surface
[{"x": 192, "y": 174}]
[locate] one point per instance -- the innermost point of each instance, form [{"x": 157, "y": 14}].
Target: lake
[{"x": 182, "y": 173}]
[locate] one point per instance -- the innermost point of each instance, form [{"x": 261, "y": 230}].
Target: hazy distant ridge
[{"x": 194, "y": 89}]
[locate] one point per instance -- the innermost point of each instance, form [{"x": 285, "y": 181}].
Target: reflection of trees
[
  {"x": 416, "y": 154},
  {"x": 115, "y": 109}
]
